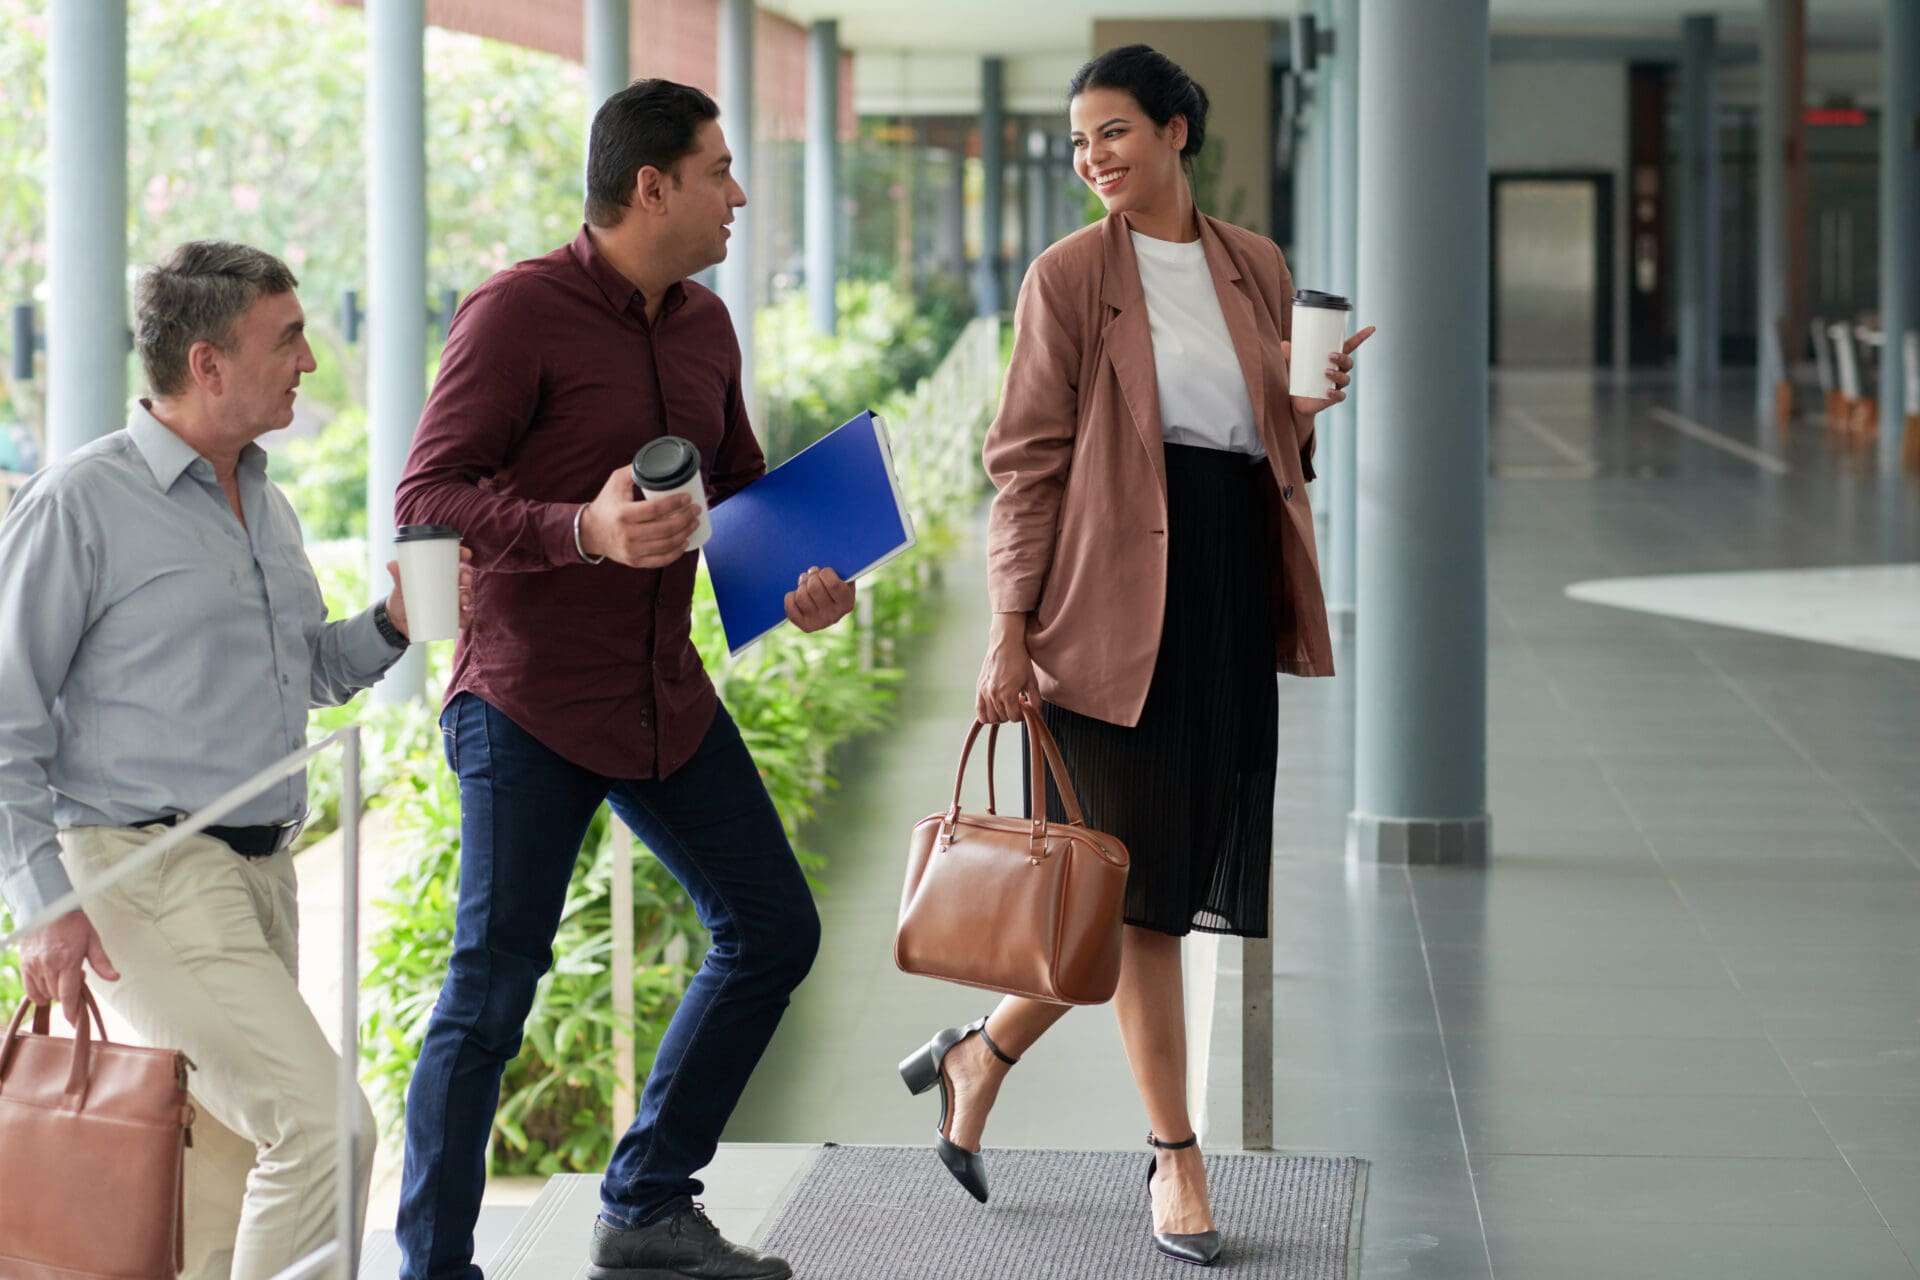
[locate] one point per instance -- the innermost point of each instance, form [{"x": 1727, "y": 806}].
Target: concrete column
[
  {"x": 1899, "y": 218},
  {"x": 1699, "y": 238},
  {"x": 989, "y": 294},
  {"x": 1782, "y": 77},
  {"x": 86, "y": 223},
  {"x": 1039, "y": 183},
  {"x": 1306, "y": 181},
  {"x": 1068, "y": 197},
  {"x": 735, "y": 277},
  {"x": 953, "y": 212},
  {"x": 823, "y": 171},
  {"x": 396, "y": 285},
  {"x": 1339, "y": 443},
  {"x": 1420, "y": 736},
  {"x": 608, "y": 39}
]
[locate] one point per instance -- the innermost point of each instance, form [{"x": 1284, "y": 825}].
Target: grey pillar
[
  {"x": 1039, "y": 192},
  {"x": 1068, "y": 193},
  {"x": 1306, "y": 183},
  {"x": 1420, "y": 734},
  {"x": 736, "y": 283},
  {"x": 823, "y": 171},
  {"x": 1777, "y": 99},
  {"x": 988, "y": 292},
  {"x": 1699, "y": 205},
  {"x": 396, "y": 285},
  {"x": 86, "y": 223},
  {"x": 1338, "y": 442},
  {"x": 608, "y": 39},
  {"x": 953, "y": 212},
  {"x": 1899, "y": 219}
]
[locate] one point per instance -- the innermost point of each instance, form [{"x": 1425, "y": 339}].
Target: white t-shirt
[{"x": 1203, "y": 393}]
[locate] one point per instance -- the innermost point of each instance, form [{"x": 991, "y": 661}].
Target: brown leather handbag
[
  {"x": 93, "y": 1139},
  {"x": 1022, "y": 906}
]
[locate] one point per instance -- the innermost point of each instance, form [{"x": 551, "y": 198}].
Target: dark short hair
[
  {"x": 1156, "y": 82},
  {"x": 196, "y": 294},
  {"x": 650, "y": 122}
]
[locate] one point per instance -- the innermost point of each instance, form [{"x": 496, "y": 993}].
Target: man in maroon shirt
[{"x": 577, "y": 683}]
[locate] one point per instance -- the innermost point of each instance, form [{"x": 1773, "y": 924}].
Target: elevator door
[{"x": 1548, "y": 291}]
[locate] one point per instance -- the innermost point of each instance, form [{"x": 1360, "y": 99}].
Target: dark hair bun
[{"x": 1156, "y": 82}]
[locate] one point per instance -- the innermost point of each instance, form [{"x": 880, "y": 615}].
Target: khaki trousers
[{"x": 206, "y": 944}]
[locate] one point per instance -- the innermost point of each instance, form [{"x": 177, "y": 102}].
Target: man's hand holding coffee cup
[
  {"x": 1339, "y": 372},
  {"x": 397, "y": 601},
  {"x": 639, "y": 533}
]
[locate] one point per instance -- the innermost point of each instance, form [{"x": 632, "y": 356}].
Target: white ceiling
[{"x": 1019, "y": 27}]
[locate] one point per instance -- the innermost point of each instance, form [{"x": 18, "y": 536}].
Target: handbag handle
[
  {"x": 1047, "y": 758},
  {"x": 80, "y": 1076}
]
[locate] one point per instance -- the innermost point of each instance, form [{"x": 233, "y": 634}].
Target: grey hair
[{"x": 197, "y": 294}]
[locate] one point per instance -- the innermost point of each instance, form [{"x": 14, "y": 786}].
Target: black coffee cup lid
[
  {"x": 666, "y": 463},
  {"x": 1327, "y": 301},
  {"x": 424, "y": 532}
]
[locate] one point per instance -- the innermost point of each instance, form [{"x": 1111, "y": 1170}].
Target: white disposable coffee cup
[
  {"x": 429, "y": 556},
  {"x": 668, "y": 466},
  {"x": 1319, "y": 332}
]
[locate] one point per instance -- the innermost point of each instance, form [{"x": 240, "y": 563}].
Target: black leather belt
[{"x": 248, "y": 842}]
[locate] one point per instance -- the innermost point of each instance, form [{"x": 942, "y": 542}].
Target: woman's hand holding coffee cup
[
  {"x": 1339, "y": 372},
  {"x": 397, "y": 599},
  {"x": 639, "y": 533}
]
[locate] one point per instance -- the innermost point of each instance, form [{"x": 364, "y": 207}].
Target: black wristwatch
[{"x": 383, "y": 622}]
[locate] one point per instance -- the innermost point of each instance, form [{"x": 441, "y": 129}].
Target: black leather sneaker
[{"x": 681, "y": 1244}]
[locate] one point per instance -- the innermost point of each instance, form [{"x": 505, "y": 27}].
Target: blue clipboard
[{"x": 835, "y": 504}]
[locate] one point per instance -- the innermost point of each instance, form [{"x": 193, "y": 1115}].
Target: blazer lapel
[
  {"x": 1128, "y": 341},
  {"x": 1237, "y": 308}
]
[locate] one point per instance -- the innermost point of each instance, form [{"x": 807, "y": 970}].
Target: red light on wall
[{"x": 1836, "y": 117}]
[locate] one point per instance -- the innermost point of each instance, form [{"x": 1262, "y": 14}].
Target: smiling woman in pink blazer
[{"x": 1151, "y": 565}]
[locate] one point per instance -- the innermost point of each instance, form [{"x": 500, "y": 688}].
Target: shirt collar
[
  {"x": 168, "y": 456},
  {"x": 619, "y": 291}
]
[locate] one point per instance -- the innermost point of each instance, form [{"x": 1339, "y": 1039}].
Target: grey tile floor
[{"x": 1673, "y": 1031}]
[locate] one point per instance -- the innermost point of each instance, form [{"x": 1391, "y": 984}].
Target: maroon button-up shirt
[{"x": 553, "y": 377}]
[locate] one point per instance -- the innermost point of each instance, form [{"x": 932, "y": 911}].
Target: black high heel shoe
[
  {"x": 925, "y": 1068},
  {"x": 1200, "y": 1247}
]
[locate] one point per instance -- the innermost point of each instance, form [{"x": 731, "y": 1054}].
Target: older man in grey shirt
[{"x": 164, "y": 637}]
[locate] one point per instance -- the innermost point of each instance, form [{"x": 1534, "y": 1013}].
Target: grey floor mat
[{"x": 867, "y": 1212}]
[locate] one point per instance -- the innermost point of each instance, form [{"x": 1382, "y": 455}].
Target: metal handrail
[{"x": 344, "y": 1250}]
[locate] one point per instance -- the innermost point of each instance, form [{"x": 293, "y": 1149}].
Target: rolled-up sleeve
[
  {"x": 1029, "y": 447},
  {"x": 348, "y": 656},
  {"x": 47, "y": 572},
  {"x": 482, "y": 406}
]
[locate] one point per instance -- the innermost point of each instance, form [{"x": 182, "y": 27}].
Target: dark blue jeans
[{"x": 524, "y": 812}]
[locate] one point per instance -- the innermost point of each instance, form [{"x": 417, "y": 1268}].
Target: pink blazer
[{"x": 1077, "y": 535}]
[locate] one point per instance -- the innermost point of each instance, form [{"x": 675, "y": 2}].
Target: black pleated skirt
[{"x": 1189, "y": 790}]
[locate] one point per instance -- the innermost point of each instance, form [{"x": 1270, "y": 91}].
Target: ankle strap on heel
[
  {"x": 1158, "y": 1145},
  {"x": 993, "y": 1048}
]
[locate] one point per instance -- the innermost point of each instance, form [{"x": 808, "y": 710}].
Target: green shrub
[{"x": 812, "y": 382}]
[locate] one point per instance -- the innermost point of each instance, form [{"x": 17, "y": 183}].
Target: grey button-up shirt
[{"x": 154, "y": 653}]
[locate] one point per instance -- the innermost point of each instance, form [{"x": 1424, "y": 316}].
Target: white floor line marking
[
  {"x": 1577, "y": 456},
  {"x": 1713, "y": 439}
]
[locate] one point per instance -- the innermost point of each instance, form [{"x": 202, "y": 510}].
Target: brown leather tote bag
[
  {"x": 1022, "y": 906},
  {"x": 93, "y": 1139}
]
